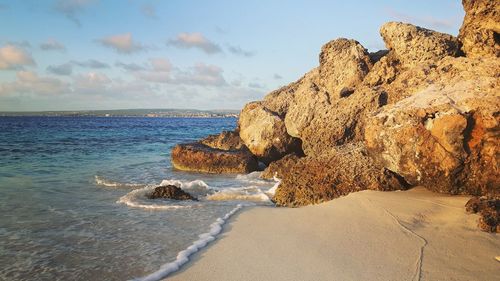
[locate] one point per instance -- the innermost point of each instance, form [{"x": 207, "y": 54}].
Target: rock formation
[
  {"x": 227, "y": 140},
  {"x": 489, "y": 211},
  {"x": 424, "y": 112},
  {"x": 345, "y": 169},
  {"x": 413, "y": 45},
  {"x": 445, "y": 135},
  {"x": 480, "y": 31},
  {"x": 264, "y": 133},
  {"x": 170, "y": 192},
  {"x": 223, "y": 153}
]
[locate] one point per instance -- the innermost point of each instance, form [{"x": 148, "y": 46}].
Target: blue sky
[{"x": 113, "y": 54}]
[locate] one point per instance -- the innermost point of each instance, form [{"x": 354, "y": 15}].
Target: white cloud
[
  {"x": 13, "y": 57},
  {"x": 256, "y": 85},
  {"x": 21, "y": 44},
  {"x": 203, "y": 75},
  {"x": 149, "y": 11},
  {"x": 91, "y": 80},
  {"x": 71, "y": 8},
  {"x": 122, "y": 43},
  {"x": 428, "y": 21},
  {"x": 67, "y": 68},
  {"x": 237, "y": 50},
  {"x": 91, "y": 63},
  {"x": 132, "y": 67},
  {"x": 63, "y": 69},
  {"x": 52, "y": 44},
  {"x": 199, "y": 75},
  {"x": 160, "y": 64},
  {"x": 194, "y": 40},
  {"x": 30, "y": 82}
]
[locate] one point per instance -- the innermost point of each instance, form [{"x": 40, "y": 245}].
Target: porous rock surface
[
  {"x": 480, "y": 31},
  {"x": 424, "y": 112},
  {"x": 170, "y": 192},
  {"x": 345, "y": 169},
  {"x": 488, "y": 210},
  {"x": 263, "y": 132},
  {"x": 412, "y": 44},
  {"x": 225, "y": 155},
  {"x": 445, "y": 135}
]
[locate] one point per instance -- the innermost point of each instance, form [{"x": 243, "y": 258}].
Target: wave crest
[
  {"x": 108, "y": 183},
  {"x": 138, "y": 199}
]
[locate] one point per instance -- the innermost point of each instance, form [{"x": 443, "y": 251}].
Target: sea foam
[
  {"x": 183, "y": 256},
  {"x": 108, "y": 183},
  {"x": 137, "y": 199}
]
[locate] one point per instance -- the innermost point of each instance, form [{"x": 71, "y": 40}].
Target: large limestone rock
[
  {"x": 201, "y": 158},
  {"x": 343, "y": 64},
  {"x": 280, "y": 168},
  {"x": 345, "y": 169},
  {"x": 227, "y": 140},
  {"x": 264, "y": 133},
  {"x": 413, "y": 45},
  {"x": 480, "y": 31},
  {"x": 445, "y": 134},
  {"x": 323, "y": 121},
  {"x": 278, "y": 101}
]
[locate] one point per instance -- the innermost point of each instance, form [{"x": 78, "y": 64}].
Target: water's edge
[{"x": 183, "y": 256}]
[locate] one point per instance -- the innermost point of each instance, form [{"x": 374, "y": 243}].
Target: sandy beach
[{"x": 369, "y": 235}]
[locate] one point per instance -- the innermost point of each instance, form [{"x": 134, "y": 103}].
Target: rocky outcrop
[
  {"x": 227, "y": 140},
  {"x": 280, "y": 168},
  {"x": 480, "y": 31},
  {"x": 264, "y": 133},
  {"x": 419, "y": 113},
  {"x": 445, "y": 135},
  {"x": 170, "y": 192},
  {"x": 202, "y": 158},
  {"x": 323, "y": 115},
  {"x": 413, "y": 45},
  {"x": 489, "y": 211},
  {"x": 345, "y": 169},
  {"x": 343, "y": 64}
]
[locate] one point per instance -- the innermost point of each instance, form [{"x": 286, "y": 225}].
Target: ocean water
[{"x": 73, "y": 197}]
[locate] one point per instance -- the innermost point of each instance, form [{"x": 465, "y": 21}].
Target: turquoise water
[{"x": 72, "y": 196}]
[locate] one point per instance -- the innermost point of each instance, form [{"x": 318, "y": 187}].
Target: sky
[{"x": 219, "y": 54}]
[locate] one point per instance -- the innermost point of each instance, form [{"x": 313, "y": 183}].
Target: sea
[{"x": 73, "y": 197}]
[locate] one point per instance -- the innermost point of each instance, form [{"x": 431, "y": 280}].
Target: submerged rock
[
  {"x": 489, "y": 211},
  {"x": 170, "y": 192},
  {"x": 202, "y": 158},
  {"x": 480, "y": 31}
]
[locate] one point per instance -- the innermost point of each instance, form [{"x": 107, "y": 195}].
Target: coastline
[{"x": 368, "y": 235}]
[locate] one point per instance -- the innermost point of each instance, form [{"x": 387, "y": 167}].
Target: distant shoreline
[
  {"x": 153, "y": 113},
  {"x": 123, "y": 116}
]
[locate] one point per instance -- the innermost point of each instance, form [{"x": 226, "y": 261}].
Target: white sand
[{"x": 367, "y": 235}]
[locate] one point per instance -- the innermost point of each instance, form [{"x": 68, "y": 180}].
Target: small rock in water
[{"x": 170, "y": 192}]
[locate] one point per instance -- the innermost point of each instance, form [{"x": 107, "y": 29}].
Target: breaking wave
[
  {"x": 244, "y": 188},
  {"x": 108, "y": 183}
]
